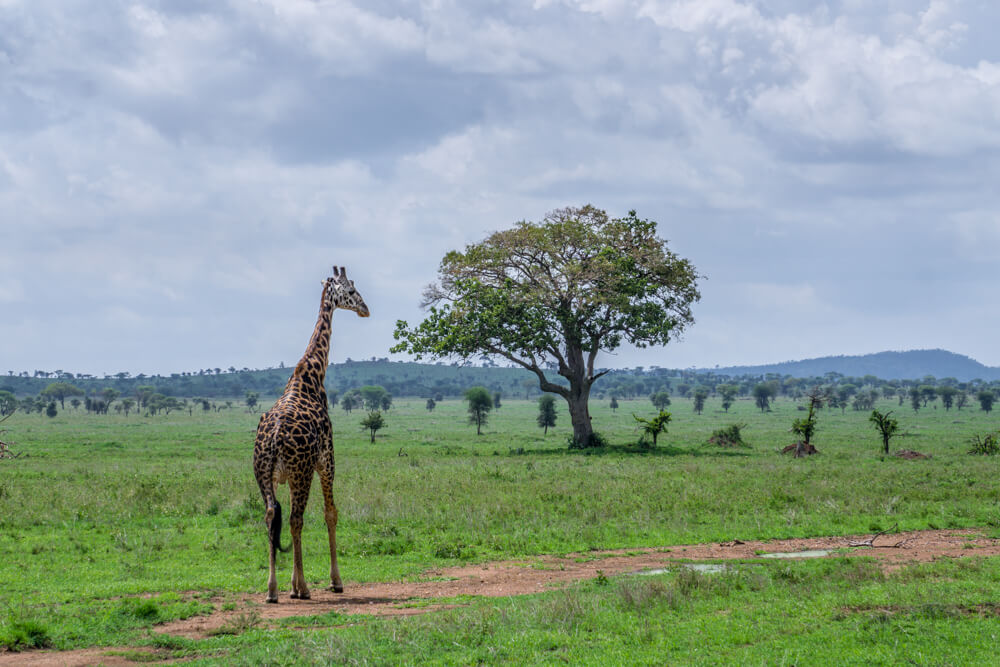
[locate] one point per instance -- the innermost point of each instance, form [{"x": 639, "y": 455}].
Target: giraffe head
[{"x": 342, "y": 293}]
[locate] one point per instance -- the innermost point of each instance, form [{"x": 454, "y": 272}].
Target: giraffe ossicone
[{"x": 295, "y": 440}]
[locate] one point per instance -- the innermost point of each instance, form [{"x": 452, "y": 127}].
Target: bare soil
[
  {"x": 442, "y": 588},
  {"x": 911, "y": 455}
]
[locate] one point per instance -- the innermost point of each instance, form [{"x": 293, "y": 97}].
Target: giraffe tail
[
  {"x": 267, "y": 488},
  {"x": 275, "y": 533}
]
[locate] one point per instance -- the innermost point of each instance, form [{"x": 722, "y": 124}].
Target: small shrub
[
  {"x": 987, "y": 445},
  {"x": 143, "y": 610},
  {"x": 728, "y": 436},
  {"x": 455, "y": 550},
  {"x": 24, "y": 633},
  {"x": 238, "y": 624},
  {"x": 385, "y": 541},
  {"x": 596, "y": 440},
  {"x": 652, "y": 428}
]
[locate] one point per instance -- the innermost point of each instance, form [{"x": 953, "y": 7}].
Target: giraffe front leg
[
  {"x": 330, "y": 514},
  {"x": 300, "y": 494}
]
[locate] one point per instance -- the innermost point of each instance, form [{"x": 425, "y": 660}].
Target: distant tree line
[{"x": 356, "y": 383}]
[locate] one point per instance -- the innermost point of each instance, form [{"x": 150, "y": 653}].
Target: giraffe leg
[
  {"x": 300, "y": 494},
  {"x": 272, "y": 577},
  {"x": 330, "y": 514}
]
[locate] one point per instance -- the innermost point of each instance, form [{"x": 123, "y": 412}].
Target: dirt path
[{"x": 522, "y": 577}]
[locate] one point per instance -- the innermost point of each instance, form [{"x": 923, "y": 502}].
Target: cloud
[{"x": 199, "y": 166}]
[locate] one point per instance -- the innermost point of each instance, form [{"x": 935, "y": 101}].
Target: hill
[
  {"x": 402, "y": 378},
  {"x": 908, "y": 365}
]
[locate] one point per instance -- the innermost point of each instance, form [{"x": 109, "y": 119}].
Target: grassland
[{"x": 112, "y": 525}]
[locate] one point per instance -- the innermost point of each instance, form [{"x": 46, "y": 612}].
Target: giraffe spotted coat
[{"x": 295, "y": 440}]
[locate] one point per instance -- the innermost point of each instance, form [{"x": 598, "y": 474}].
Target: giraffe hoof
[
  {"x": 271, "y": 600},
  {"x": 294, "y": 596},
  {"x": 337, "y": 589}
]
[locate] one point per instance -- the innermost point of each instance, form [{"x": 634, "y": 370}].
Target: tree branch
[
  {"x": 870, "y": 541},
  {"x": 543, "y": 382}
]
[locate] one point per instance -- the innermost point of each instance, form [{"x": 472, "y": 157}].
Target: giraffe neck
[{"x": 311, "y": 369}]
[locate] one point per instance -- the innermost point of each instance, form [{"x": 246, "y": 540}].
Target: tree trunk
[{"x": 579, "y": 414}]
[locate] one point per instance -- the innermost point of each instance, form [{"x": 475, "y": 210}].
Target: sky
[{"x": 177, "y": 177}]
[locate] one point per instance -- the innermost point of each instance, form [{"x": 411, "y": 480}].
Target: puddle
[
  {"x": 703, "y": 568},
  {"x": 812, "y": 553}
]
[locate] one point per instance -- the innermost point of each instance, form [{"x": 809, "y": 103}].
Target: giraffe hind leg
[
  {"x": 272, "y": 522},
  {"x": 300, "y": 495},
  {"x": 274, "y": 530},
  {"x": 272, "y": 519}
]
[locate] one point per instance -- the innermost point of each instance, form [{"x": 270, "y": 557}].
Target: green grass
[
  {"x": 112, "y": 525},
  {"x": 833, "y": 612}
]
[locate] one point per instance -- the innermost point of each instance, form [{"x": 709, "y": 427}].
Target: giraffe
[{"x": 295, "y": 439}]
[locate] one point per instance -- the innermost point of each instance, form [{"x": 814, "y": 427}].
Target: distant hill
[
  {"x": 909, "y": 365},
  {"x": 402, "y": 378}
]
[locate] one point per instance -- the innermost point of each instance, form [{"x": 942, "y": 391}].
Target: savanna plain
[{"x": 112, "y": 526}]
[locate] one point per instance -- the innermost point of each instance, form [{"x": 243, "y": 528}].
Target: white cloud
[
  {"x": 345, "y": 37},
  {"x": 172, "y": 165}
]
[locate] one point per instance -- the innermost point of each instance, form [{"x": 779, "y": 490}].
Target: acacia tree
[
  {"x": 762, "y": 395},
  {"x": 886, "y": 425},
  {"x": 372, "y": 396},
  {"x": 480, "y": 405},
  {"x": 546, "y": 412},
  {"x": 728, "y": 394},
  {"x": 8, "y": 403},
  {"x": 660, "y": 399},
  {"x": 554, "y": 294},
  {"x": 806, "y": 428},
  {"x": 947, "y": 395},
  {"x": 986, "y": 400},
  {"x": 700, "y": 394},
  {"x": 653, "y": 427},
  {"x": 60, "y": 391},
  {"x": 373, "y": 422},
  {"x": 350, "y": 400}
]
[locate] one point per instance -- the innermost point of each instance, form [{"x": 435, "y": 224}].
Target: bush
[
  {"x": 988, "y": 445},
  {"x": 24, "y": 633},
  {"x": 455, "y": 550},
  {"x": 728, "y": 436},
  {"x": 596, "y": 440}
]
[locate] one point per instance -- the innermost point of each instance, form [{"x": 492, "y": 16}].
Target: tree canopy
[
  {"x": 480, "y": 404},
  {"x": 554, "y": 294}
]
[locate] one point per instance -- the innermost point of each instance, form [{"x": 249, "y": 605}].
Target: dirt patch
[
  {"x": 534, "y": 575},
  {"x": 911, "y": 455},
  {"x": 86, "y": 657},
  {"x": 807, "y": 450},
  {"x": 437, "y": 589}
]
